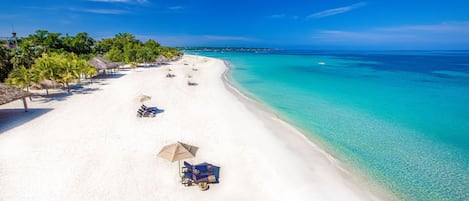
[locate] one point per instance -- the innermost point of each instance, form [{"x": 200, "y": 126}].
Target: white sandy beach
[{"x": 91, "y": 146}]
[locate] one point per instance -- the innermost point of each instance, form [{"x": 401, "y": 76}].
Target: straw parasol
[
  {"x": 49, "y": 84},
  {"x": 143, "y": 98},
  {"x": 161, "y": 59},
  {"x": 102, "y": 64},
  {"x": 177, "y": 152},
  {"x": 9, "y": 94}
]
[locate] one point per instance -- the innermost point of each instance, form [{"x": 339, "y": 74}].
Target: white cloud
[
  {"x": 357, "y": 36},
  {"x": 336, "y": 11},
  {"x": 9, "y": 16},
  {"x": 175, "y": 8},
  {"x": 442, "y": 27},
  {"x": 278, "y": 16},
  {"x": 120, "y": 1},
  {"x": 104, "y": 11},
  {"x": 110, "y": 0},
  {"x": 227, "y": 38},
  {"x": 441, "y": 35}
]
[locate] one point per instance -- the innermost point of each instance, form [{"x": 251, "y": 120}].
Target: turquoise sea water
[{"x": 402, "y": 118}]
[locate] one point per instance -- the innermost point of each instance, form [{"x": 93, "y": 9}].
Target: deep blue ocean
[{"x": 399, "y": 117}]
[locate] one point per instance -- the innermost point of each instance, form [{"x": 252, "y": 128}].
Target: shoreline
[
  {"x": 90, "y": 146},
  {"x": 265, "y": 112}
]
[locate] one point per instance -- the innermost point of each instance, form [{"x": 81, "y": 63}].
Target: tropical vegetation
[{"x": 63, "y": 59}]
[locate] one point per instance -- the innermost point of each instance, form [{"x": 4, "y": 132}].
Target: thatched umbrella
[
  {"x": 102, "y": 64},
  {"x": 49, "y": 84},
  {"x": 142, "y": 98},
  {"x": 161, "y": 59},
  {"x": 9, "y": 94}
]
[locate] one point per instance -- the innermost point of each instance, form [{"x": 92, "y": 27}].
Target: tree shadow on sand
[
  {"x": 62, "y": 94},
  {"x": 109, "y": 76},
  {"x": 11, "y": 118}
]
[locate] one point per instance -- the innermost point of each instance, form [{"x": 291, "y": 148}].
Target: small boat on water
[{"x": 321, "y": 63}]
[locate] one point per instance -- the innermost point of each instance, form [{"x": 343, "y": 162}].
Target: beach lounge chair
[
  {"x": 149, "y": 109},
  {"x": 204, "y": 172},
  {"x": 188, "y": 179},
  {"x": 144, "y": 113}
]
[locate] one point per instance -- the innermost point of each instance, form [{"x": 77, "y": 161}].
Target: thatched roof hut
[
  {"x": 102, "y": 64},
  {"x": 9, "y": 94}
]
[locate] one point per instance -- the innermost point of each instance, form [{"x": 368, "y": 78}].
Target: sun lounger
[
  {"x": 149, "y": 109},
  {"x": 144, "y": 113},
  {"x": 188, "y": 179},
  {"x": 203, "y": 172}
]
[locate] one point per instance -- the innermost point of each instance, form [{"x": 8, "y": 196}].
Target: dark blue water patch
[
  {"x": 411, "y": 61},
  {"x": 444, "y": 75},
  {"x": 415, "y": 63}
]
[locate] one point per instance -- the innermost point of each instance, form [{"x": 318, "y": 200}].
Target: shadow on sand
[
  {"x": 110, "y": 75},
  {"x": 11, "y": 118},
  {"x": 62, "y": 94}
]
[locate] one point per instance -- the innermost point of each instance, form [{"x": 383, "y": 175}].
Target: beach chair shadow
[
  {"x": 192, "y": 83},
  {"x": 154, "y": 110}
]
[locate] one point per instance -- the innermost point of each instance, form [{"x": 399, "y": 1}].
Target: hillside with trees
[{"x": 63, "y": 59}]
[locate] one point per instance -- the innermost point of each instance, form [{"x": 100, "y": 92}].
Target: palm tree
[
  {"x": 133, "y": 65},
  {"x": 90, "y": 72},
  {"x": 5, "y": 64},
  {"x": 20, "y": 77},
  {"x": 45, "y": 68}
]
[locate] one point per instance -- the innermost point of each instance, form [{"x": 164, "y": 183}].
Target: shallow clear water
[{"x": 400, "y": 117}]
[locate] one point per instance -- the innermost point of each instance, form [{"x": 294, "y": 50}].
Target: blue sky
[{"x": 316, "y": 24}]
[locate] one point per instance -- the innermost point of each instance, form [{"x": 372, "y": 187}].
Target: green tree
[
  {"x": 126, "y": 48},
  {"x": 67, "y": 68},
  {"x": 20, "y": 77},
  {"x": 130, "y": 53},
  {"x": 67, "y": 72},
  {"x": 133, "y": 65},
  {"x": 49, "y": 41},
  {"x": 5, "y": 62},
  {"x": 152, "y": 44},
  {"x": 44, "y": 69},
  {"x": 26, "y": 53},
  {"x": 90, "y": 72},
  {"x": 79, "y": 44},
  {"x": 114, "y": 54},
  {"x": 104, "y": 45}
]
